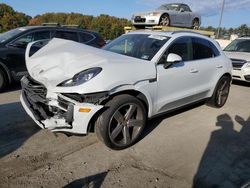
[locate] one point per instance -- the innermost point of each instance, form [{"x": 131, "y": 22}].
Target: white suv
[
  {"x": 239, "y": 52},
  {"x": 73, "y": 88}
]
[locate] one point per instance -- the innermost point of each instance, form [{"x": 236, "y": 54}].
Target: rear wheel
[
  {"x": 221, "y": 93},
  {"x": 121, "y": 125},
  {"x": 2, "y": 81},
  {"x": 164, "y": 20},
  {"x": 196, "y": 24}
]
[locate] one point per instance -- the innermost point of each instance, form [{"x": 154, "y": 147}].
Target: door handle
[
  {"x": 194, "y": 71},
  {"x": 219, "y": 66}
]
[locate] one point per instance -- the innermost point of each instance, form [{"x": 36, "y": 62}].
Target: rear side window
[
  {"x": 41, "y": 35},
  {"x": 67, "y": 35},
  {"x": 86, "y": 37},
  {"x": 182, "y": 47},
  {"x": 202, "y": 49}
]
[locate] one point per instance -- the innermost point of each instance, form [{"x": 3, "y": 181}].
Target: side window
[
  {"x": 67, "y": 35},
  {"x": 186, "y": 8},
  {"x": 181, "y": 47},
  {"x": 86, "y": 37},
  {"x": 41, "y": 35},
  {"x": 215, "y": 50},
  {"x": 24, "y": 40},
  {"x": 201, "y": 49}
]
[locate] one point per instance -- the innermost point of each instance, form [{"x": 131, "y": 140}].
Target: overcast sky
[{"x": 237, "y": 12}]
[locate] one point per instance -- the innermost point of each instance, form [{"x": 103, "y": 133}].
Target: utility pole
[{"x": 221, "y": 15}]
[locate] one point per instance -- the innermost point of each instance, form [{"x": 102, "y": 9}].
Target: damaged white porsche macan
[{"x": 73, "y": 88}]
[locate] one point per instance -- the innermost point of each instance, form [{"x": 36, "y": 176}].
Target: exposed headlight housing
[{"x": 81, "y": 77}]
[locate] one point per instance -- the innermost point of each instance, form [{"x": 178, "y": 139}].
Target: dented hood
[{"x": 61, "y": 59}]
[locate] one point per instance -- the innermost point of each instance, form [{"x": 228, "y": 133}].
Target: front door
[{"x": 176, "y": 84}]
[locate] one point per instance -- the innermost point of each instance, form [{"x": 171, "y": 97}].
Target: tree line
[{"x": 107, "y": 26}]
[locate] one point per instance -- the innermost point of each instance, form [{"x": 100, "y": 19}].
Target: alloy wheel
[
  {"x": 126, "y": 124},
  {"x": 222, "y": 92}
]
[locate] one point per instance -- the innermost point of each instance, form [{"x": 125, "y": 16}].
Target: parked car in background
[
  {"x": 13, "y": 45},
  {"x": 239, "y": 52},
  {"x": 73, "y": 88},
  {"x": 174, "y": 14}
]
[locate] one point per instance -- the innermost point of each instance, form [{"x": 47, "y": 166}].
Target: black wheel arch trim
[{"x": 6, "y": 71}]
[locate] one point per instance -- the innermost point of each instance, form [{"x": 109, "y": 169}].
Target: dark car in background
[{"x": 13, "y": 44}]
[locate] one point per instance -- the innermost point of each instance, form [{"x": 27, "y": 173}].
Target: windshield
[
  {"x": 169, "y": 7},
  {"x": 9, "y": 34},
  {"x": 238, "y": 45},
  {"x": 141, "y": 46}
]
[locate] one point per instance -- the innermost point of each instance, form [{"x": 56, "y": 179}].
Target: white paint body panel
[{"x": 164, "y": 89}]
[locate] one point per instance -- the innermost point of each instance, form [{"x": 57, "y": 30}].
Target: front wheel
[
  {"x": 122, "y": 123},
  {"x": 221, "y": 93},
  {"x": 164, "y": 20}
]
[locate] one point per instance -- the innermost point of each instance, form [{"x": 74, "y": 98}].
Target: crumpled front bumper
[{"x": 57, "y": 112}]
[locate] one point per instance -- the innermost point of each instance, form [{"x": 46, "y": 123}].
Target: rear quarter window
[
  {"x": 67, "y": 35},
  {"x": 86, "y": 37}
]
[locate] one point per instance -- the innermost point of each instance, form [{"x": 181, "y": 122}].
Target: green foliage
[
  {"x": 10, "y": 19},
  {"x": 108, "y": 26},
  {"x": 240, "y": 31}
]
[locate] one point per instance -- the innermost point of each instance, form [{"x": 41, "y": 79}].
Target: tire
[
  {"x": 164, "y": 20},
  {"x": 122, "y": 123},
  {"x": 221, "y": 93},
  {"x": 196, "y": 24},
  {"x": 2, "y": 81}
]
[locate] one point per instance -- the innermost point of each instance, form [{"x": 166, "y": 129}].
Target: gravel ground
[{"x": 195, "y": 147}]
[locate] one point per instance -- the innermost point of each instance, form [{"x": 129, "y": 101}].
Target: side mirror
[{"x": 171, "y": 59}]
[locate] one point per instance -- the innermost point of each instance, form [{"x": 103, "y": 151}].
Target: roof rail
[
  {"x": 77, "y": 26},
  {"x": 50, "y": 24},
  {"x": 186, "y": 31}
]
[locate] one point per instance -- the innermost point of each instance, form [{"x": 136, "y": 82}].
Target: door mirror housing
[
  {"x": 182, "y": 10},
  {"x": 171, "y": 59}
]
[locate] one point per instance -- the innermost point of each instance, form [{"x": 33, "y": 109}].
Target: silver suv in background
[
  {"x": 239, "y": 52},
  {"x": 174, "y": 14}
]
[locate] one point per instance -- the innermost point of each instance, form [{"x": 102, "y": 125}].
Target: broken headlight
[{"x": 81, "y": 77}]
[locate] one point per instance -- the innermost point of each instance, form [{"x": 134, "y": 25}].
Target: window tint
[
  {"x": 41, "y": 35},
  {"x": 86, "y": 37},
  {"x": 24, "y": 40},
  {"x": 201, "y": 49},
  {"x": 67, "y": 35},
  {"x": 182, "y": 47}
]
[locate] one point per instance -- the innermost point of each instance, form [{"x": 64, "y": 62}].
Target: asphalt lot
[{"x": 196, "y": 147}]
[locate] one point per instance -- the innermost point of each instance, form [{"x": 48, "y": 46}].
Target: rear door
[{"x": 206, "y": 56}]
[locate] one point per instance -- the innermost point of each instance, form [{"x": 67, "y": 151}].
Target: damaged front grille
[{"x": 34, "y": 89}]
